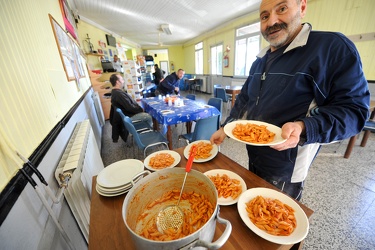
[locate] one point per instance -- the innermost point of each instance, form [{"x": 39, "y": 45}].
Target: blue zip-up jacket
[
  {"x": 318, "y": 80},
  {"x": 168, "y": 84}
]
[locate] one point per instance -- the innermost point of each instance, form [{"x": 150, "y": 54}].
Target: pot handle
[
  {"x": 145, "y": 173},
  {"x": 219, "y": 242}
]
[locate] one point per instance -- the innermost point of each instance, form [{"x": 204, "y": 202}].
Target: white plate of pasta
[
  {"x": 255, "y": 133},
  {"x": 229, "y": 185},
  {"x": 205, "y": 151},
  {"x": 294, "y": 226},
  {"x": 162, "y": 159}
]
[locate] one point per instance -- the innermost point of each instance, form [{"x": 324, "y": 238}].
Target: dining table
[
  {"x": 108, "y": 230},
  {"x": 234, "y": 91},
  {"x": 167, "y": 116}
]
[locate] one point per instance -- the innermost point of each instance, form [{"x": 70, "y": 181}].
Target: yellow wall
[
  {"x": 177, "y": 57},
  {"x": 351, "y": 17},
  {"x": 161, "y": 57},
  {"x": 35, "y": 93}
]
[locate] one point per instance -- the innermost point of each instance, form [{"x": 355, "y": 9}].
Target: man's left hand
[{"x": 292, "y": 132}]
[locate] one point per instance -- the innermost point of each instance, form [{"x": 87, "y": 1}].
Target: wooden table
[
  {"x": 233, "y": 90},
  {"x": 108, "y": 230}
]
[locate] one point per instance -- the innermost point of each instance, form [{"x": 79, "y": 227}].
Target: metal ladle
[{"x": 172, "y": 216}]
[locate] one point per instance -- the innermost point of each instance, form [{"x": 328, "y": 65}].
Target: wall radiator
[
  {"x": 98, "y": 108},
  {"x": 80, "y": 161}
]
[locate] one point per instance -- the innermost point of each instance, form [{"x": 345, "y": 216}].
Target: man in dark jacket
[
  {"x": 309, "y": 83},
  {"x": 158, "y": 75},
  {"x": 121, "y": 99},
  {"x": 170, "y": 84}
]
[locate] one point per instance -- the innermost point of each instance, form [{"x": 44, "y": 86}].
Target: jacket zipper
[{"x": 262, "y": 78}]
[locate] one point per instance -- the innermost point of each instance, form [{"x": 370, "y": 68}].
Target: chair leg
[
  {"x": 350, "y": 146},
  {"x": 366, "y": 135}
]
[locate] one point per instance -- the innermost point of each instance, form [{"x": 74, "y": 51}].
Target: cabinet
[
  {"x": 149, "y": 71},
  {"x": 134, "y": 79},
  {"x": 100, "y": 83}
]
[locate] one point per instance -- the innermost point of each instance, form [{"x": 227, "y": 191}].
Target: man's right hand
[{"x": 218, "y": 137}]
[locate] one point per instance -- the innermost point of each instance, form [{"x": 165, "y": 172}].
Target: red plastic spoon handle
[{"x": 189, "y": 164}]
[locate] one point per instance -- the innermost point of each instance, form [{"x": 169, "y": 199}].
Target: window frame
[
  {"x": 198, "y": 62},
  {"x": 247, "y": 36},
  {"x": 219, "y": 64}
]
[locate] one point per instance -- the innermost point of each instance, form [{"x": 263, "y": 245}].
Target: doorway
[{"x": 164, "y": 67}]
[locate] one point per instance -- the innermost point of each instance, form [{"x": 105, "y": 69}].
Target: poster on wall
[
  {"x": 65, "y": 46},
  {"x": 78, "y": 58},
  {"x": 120, "y": 52},
  {"x": 70, "y": 53},
  {"x": 68, "y": 18}
]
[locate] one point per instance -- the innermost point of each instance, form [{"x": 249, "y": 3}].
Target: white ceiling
[{"x": 139, "y": 21}]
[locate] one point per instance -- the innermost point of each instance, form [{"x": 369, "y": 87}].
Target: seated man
[
  {"x": 117, "y": 64},
  {"x": 170, "y": 84},
  {"x": 121, "y": 99}
]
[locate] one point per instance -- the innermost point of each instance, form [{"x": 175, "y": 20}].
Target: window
[
  {"x": 199, "y": 58},
  {"x": 247, "y": 47},
  {"x": 217, "y": 60}
]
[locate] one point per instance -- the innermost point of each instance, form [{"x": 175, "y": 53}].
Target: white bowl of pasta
[
  {"x": 257, "y": 206},
  {"x": 255, "y": 133},
  {"x": 162, "y": 188},
  {"x": 162, "y": 159}
]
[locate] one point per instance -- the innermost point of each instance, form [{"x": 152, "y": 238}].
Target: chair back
[
  {"x": 220, "y": 93},
  {"x": 130, "y": 127},
  {"x": 217, "y": 103},
  {"x": 190, "y": 96},
  {"x": 204, "y": 128},
  {"x": 215, "y": 87}
]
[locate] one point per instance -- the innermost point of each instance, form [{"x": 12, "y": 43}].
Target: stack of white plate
[{"x": 119, "y": 177}]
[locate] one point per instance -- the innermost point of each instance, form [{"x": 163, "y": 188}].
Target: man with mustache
[{"x": 309, "y": 83}]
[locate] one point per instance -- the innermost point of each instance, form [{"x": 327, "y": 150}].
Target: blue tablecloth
[{"x": 169, "y": 115}]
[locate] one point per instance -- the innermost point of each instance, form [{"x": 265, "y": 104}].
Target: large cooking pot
[{"x": 154, "y": 186}]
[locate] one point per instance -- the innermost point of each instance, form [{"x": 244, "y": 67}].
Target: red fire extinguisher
[{"x": 226, "y": 61}]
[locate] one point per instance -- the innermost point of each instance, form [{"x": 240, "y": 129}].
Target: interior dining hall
[{"x": 246, "y": 124}]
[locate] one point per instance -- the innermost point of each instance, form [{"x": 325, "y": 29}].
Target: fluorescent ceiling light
[{"x": 165, "y": 29}]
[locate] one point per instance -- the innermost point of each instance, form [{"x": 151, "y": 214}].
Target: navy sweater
[{"x": 319, "y": 80}]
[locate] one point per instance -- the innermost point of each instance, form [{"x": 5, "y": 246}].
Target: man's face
[
  {"x": 120, "y": 80},
  {"x": 281, "y": 20},
  {"x": 115, "y": 58},
  {"x": 180, "y": 74}
]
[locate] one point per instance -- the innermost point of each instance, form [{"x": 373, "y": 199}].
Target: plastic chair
[
  {"x": 190, "y": 96},
  {"x": 203, "y": 130},
  {"x": 217, "y": 103},
  {"x": 223, "y": 96},
  {"x": 140, "y": 126},
  {"x": 216, "y": 86},
  {"x": 197, "y": 85},
  {"x": 144, "y": 140}
]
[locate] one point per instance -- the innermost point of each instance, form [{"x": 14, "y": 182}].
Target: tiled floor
[{"x": 340, "y": 191}]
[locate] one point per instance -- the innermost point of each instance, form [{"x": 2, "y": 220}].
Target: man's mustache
[{"x": 276, "y": 26}]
